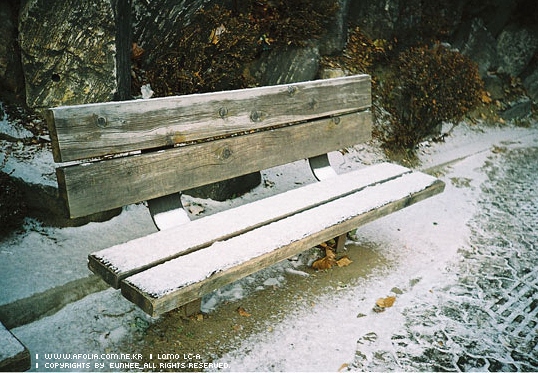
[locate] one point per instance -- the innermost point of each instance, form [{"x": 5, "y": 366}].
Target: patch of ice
[{"x": 272, "y": 282}]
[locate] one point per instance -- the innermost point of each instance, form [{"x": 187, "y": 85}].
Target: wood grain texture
[
  {"x": 94, "y": 130},
  {"x": 304, "y": 237},
  {"x": 98, "y": 186},
  {"x": 120, "y": 261}
]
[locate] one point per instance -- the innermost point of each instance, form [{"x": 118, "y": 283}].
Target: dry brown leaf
[
  {"x": 344, "y": 261},
  {"x": 242, "y": 312},
  {"x": 327, "y": 262},
  {"x": 136, "y": 51},
  {"x": 485, "y": 97},
  {"x": 385, "y": 302},
  {"x": 323, "y": 263},
  {"x": 214, "y": 38},
  {"x": 197, "y": 317},
  {"x": 343, "y": 366}
]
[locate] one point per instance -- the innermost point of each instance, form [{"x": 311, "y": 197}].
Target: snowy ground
[{"x": 457, "y": 263}]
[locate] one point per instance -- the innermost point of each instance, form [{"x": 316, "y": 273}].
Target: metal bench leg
[
  {"x": 321, "y": 167},
  {"x": 167, "y": 211}
]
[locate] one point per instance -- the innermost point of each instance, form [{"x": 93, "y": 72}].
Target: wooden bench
[{"x": 119, "y": 153}]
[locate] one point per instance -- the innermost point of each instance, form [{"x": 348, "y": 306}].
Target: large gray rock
[
  {"x": 382, "y": 19},
  {"x": 531, "y": 84},
  {"x": 518, "y": 109},
  {"x": 476, "y": 41},
  {"x": 516, "y": 46},
  {"x": 406, "y": 20},
  {"x": 157, "y": 24},
  {"x": 288, "y": 64},
  {"x": 335, "y": 38},
  {"x": 68, "y": 50}
]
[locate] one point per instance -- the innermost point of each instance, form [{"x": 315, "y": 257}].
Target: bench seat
[
  {"x": 170, "y": 268},
  {"x": 118, "y": 262}
]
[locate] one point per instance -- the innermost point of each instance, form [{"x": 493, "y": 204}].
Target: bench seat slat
[
  {"x": 98, "y": 186},
  {"x": 186, "y": 278},
  {"x": 93, "y": 130},
  {"x": 117, "y": 262}
]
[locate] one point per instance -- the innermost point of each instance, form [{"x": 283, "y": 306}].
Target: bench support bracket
[
  {"x": 167, "y": 211},
  {"x": 321, "y": 167}
]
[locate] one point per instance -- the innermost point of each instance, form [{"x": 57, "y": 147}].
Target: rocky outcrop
[
  {"x": 477, "y": 42},
  {"x": 287, "y": 65},
  {"x": 62, "y": 52},
  {"x": 157, "y": 24},
  {"x": 516, "y": 47},
  {"x": 68, "y": 51}
]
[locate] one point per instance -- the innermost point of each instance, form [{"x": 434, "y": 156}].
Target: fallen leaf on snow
[
  {"x": 343, "y": 261},
  {"x": 385, "y": 302},
  {"x": 326, "y": 262},
  {"x": 242, "y": 312}
]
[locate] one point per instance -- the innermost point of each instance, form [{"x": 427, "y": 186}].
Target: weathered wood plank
[
  {"x": 97, "y": 186},
  {"x": 118, "y": 262},
  {"x": 93, "y": 130},
  {"x": 181, "y": 280}
]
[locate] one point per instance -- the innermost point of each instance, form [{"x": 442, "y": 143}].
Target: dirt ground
[{"x": 209, "y": 336}]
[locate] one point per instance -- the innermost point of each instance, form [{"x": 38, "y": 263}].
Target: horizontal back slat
[
  {"x": 97, "y": 186},
  {"x": 94, "y": 130}
]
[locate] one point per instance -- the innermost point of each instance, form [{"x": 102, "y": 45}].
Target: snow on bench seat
[
  {"x": 118, "y": 262},
  {"x": 188, "y": 277}
]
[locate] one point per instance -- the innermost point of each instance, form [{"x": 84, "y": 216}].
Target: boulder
[
  {"x": 157, "y": 24},
  {"x": 382, "y": 19},
  {"x": 408, "y": 21},
  {"x": 68, "y": 51},
  {"x": 518, "y": 109},
  {"x": 335, "y": 38},
  {"x": 476, "y": 42},
  {"x": 531, "y": 84},
  {"x": 516, "y": 47},
  {"x": 289, "y": 64}
]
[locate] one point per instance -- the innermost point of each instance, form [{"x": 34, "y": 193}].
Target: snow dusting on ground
[{"x": 451, "y": 261}]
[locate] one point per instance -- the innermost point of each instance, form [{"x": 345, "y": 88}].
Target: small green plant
[{"x": 426, "y": 87}]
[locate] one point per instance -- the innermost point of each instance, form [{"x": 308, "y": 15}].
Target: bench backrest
[{"x": 118, "y": 153}]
